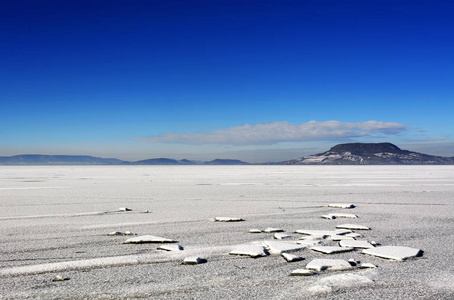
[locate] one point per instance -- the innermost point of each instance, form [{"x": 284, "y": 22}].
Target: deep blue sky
[{"x": 229, "y": 79}]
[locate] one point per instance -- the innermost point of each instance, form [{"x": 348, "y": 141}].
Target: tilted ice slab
[
  {"x": 227, "y": 219},
  {"x": 323, "y": 232},
  {"x": 194, "y": 260},
  {"x": 355, "y": 244},
  {"x": 291, "y": 257},
  {"x": 394, "y": 252},
  {"x": 253, "y": 251},
  {"x": 340, "y": 215},
  {"x": 302, "y": 272},
  {"x": 282, "y": 236},
  {"x": 309, "y": 243},
  {"x": 341, "y": 237},
  {"x": 271, "y": 230},
  {"x": 171, "y": 247},
  {"x": 148, "y": 239},
  {"x": 330, "y": 249},
  {"x": 336, "y": 282},
  {"x": 329, "y": 264},
  {"x": 341, "y": 205},
  {"x": 353, "y": 227},
  {"x": 276, "y": 247}
]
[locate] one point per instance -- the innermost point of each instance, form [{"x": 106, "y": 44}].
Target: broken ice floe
[
  {"x": 330, "y": 217},
  {"x": 291, "y": 257},
  {"x": 394, "y": 252},
  {"x": 352, "y": 227},
  {"x": 337, "y": 237},
  {"x": 339, "y": 215},
  {"x": 324, "y": 233},
  {"x": 353, "y": 262},
  {"x": 302, "y": 272},
  {"x": 276, "y": 247},
  {"x": 255, "y": 230},
  {"x": 282, "y": 236},
  {"x": 60, "y": 278},
  {"x": 354, "y": 235},
  {"x": 330, "y": 249},
  {"x": 121, "y": 233},
  {"x": 253, "y": 251},
  {"x": 148, "y": 239},
  {"x": 271, "y": 230},
  {"x": 339, "y": 281},
  {"x": 341, "y": 205},
  {"x": 227, "y": 219},
  {"x": 194, "y": 260},
  {"x": 355, "y": 244},
  {"x": 328, "y": 264},
  {"x": 170, "y": 247},
  {"x": 309, "y": 243},
  {"x": 124, "y": 209},
  {"x": 367, "y": 265}
]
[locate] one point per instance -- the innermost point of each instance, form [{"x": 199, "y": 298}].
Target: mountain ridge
[
  {"x": 370, "y": 154},
  {"x": 341, "y": 154}
]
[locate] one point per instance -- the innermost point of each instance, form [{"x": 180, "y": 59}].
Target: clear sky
[{"x": 251, "y": 80}]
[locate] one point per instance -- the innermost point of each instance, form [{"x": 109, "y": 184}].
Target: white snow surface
[{"x": 55, "y": 220}]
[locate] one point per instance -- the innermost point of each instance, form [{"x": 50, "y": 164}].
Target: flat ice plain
[{"x": 55, "y": 221}]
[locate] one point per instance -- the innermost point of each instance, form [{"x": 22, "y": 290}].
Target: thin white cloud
[{"x": 278, "y": 132}]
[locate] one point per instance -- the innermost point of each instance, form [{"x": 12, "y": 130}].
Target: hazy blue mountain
[
  {"x": 39, "y": 159},
  {"x": 226, "y": 162},
  {"x": 370, "y": 154}
]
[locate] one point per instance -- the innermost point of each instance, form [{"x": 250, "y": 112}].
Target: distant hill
[
  {"x": 164, "y": 161},
  {"x": 370, "y": 154},
  {"x": 39, "y": 159},
  {"x": 226, "y": 162}
]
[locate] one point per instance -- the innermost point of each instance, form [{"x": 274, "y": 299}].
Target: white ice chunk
[
  {"x": 194, "y": 260},
  {"x": 271, "y": 230},
  {"x": 121, "y": 233},
  {"x": 281, "y": 247},
  {"x": 302, "y": 272},
  {"x": 354, "y": 235},
  {"x": 282, "y": 236},
  {"x": 291, "y": 257},
  {"x": 329, "y": 217},
  {"x": 148, "y": 239},
  {"x": 339, "y": 281},
  {"x": 341, "y": 205},
  {"x": 328, "y": 264},
  {"x": 227, "y": 219},
  {"x": 124, "y": 209},
  {"x": 255, "y": 230},
  {"x": 170, "y": 247},
  {"x": 394, "y": 252},
  {"x": 367, "y": 265},
  {"x": 249, "y": 250},
  {"x": 339, "y": 215},
  {"x": 309, "y": 243},
  {"x": 330, "y": 249},
  {"x": 341, "y": 237},
  {"x": 353, "y": 227},
  {"x": 355, "y": 244},
  {"x": 323, "y": 232}
]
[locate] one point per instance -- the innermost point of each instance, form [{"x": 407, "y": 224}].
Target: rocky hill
[{"x": 370, "y": 154}]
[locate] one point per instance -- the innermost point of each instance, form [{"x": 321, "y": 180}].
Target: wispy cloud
[{"x": 278, "y": 132}]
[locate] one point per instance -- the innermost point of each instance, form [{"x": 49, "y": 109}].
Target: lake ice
[{"x": 55, "y": 222}]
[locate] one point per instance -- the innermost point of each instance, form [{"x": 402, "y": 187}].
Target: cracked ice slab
[
  {"x": 330, "y": 249},
  {"x": 148, "y": 239},
  {"x": 394, "y": 252},
  {"x": 355, "y": 244},
  {"x": 253, "y": 251},
  {"x": 227, "y": 219},
  {"x": 352, "y": 227},
  {"x": 276, "y": 247},
  {"x": 329, "y": 264},
  {"x": 341, "y": 205}
]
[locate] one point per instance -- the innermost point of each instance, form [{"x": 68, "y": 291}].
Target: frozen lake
[{"x": 56, "y": 220}]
